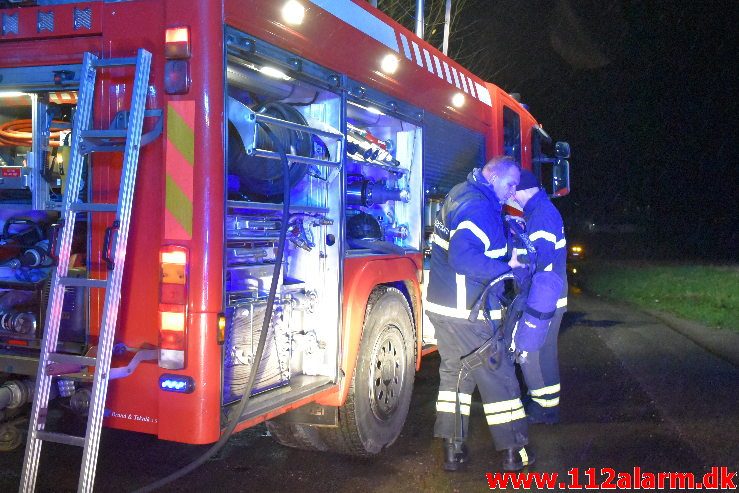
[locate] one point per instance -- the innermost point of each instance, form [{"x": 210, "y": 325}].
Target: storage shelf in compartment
[
  {"x": 386, "y": 167},
  {"x": 263, "y": 206},
  {"x": 6, "y": 283},
  {"x": 248, "y": 295},
  {"x": 247, "y": 266},
  {"x": 299, "y": 387},
  {"x": 15, "y": 206},
  {"x": 243, "y": 291},
  {"x": 254, "y": 238},
  {"x": 359, "y": 252}
]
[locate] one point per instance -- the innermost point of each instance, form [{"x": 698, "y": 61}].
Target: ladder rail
[
  {"x": 112, "y": 285},
  {"x": 56, "y": 296},
  {"x": 115, "y": 278}
]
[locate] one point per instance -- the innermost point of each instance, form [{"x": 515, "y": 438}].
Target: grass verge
[{"x": 705, "y": 294}]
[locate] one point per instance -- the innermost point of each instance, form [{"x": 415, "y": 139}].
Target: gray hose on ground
[{"x": 238, "y": 411}]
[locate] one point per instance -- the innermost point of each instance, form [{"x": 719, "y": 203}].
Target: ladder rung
[
  {"x": 104, "y": 134},
  {"x": 103, "y": 140},
  {"x": 83, "y": 282},
  {"x": 48, "y": 436},
  {"x": 72, "y": 359},
  {"x": 115, "y": 62},
  {"x": 79, "y": 207}
]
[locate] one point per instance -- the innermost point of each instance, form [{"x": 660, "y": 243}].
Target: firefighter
[
  {"x": 469, "y": 250},
  {"x": 546, "y": 231}
]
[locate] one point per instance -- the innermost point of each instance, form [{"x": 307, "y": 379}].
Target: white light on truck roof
[
  {"x": 389, "y": 63},
  {"x": 293, "y": 12},
  {"x": 458, "y": 100}
]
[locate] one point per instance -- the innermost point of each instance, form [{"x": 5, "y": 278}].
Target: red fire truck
[{"x": 376, "y": 125}]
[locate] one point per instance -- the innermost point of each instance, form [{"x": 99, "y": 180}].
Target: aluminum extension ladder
[{"x": 51, "y": 363}]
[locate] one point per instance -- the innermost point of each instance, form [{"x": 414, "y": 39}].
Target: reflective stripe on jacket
[
  {"x": 546, "y": 231},
  {"x": 469, "y": 249}
]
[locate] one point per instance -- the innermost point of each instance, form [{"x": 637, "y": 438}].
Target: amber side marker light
[{"x": 221, "y": 328}]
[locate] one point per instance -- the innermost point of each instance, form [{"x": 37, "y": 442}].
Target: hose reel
[{"x": 259, "y": 178}]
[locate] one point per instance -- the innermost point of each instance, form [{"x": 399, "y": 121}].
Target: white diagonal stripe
[
  {"x": 544, "y": 235},
  {"x": 429, "y": 66},
  {"x": 549, "y": 268},
  {"x": 437, "y": 240},
  {"x": 560, "y": 244},
  {"x": 456, "y": 78},
  {"x": 483, "y": 94},
  {"x": 500, "y": 252},
  {"x": 446, "y": 71},
  {"x": 472, "y": 87},
  {"x": 417, "y": 51},
  {"x": 475, "y": 230},
  {"x": 562, "y": 302},
  {"x": 406, "y": 47},
  {"x": 551, "y": 389},
  {"x": 438, "y": 67}
]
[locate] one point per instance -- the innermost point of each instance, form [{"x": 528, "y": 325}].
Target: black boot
[
  {"x": 455, "y": 455},
  {"x": 517, "y": 458}
]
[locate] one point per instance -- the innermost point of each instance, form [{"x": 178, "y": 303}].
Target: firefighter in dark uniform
[
  {"x": 469, "y": 250},
  {"x": 546, "y": 231}
]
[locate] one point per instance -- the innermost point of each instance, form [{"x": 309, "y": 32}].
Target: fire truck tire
[
  {"x": 298, "y": 436},
  {"x": 380, "y": 393}
]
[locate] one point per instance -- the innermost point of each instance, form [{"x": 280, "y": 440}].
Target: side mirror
[
  {"x": 562, "y": 150},
  {"x": 561, "y": 176}
]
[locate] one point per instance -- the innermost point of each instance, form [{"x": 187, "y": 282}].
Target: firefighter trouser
[
  {"x": 541, "y": 372},
  {"x": 499, "y": 388}
]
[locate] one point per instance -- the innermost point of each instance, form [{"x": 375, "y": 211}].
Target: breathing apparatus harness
[{"x": 491, "y": 352}]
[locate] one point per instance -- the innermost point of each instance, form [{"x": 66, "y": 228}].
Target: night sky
[{"x": 645, "y": 92}]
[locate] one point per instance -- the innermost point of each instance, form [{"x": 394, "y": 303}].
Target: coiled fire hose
[{"x": 20, "y": 133}]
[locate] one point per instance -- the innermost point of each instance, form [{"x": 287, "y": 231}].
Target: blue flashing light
[{"x": 176, "y": 383}]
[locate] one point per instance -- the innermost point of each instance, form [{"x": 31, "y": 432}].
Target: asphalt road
[{"x": 634, "y": 393}]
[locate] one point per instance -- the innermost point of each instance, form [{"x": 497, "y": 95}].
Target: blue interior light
[{"x": 176, "y": 383}]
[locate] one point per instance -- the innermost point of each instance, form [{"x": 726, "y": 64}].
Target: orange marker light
[
  {"x": 221, "y": 328},
  {"x": 177, "y": 42}
]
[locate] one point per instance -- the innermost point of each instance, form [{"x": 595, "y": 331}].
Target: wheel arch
[{"x": 361, "y": 278}]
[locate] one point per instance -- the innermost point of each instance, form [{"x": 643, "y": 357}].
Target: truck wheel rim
[{"x": 388, "y": 373}]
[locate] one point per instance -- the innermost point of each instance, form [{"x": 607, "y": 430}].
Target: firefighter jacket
[
  {"x": 546, "y": 231},
  {"x": 469, "y": 249}
]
